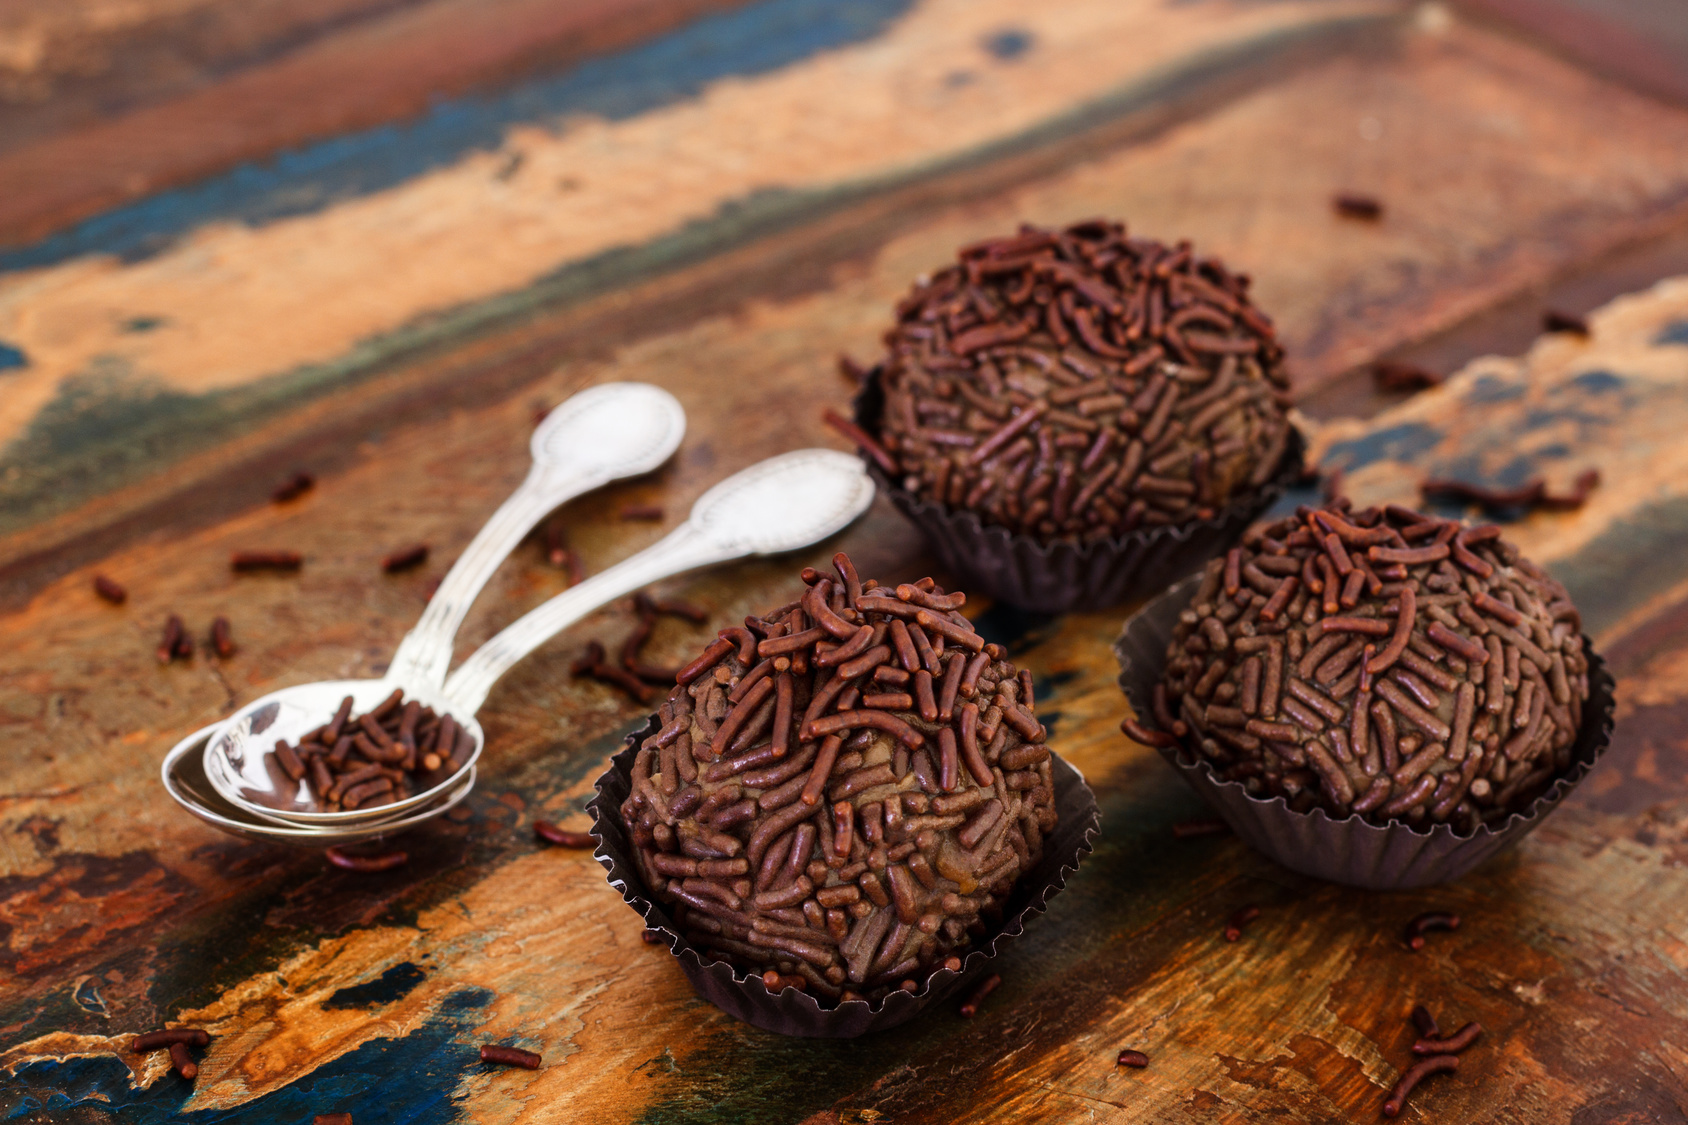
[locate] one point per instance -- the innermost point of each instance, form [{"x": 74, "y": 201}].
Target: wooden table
[{"x": 719, "y": 197}]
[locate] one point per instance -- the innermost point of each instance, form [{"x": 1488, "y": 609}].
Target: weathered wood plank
[
  {"x": 1321, "y": 275},
  {"x": 104, "y": 111},
  {"x": 117, "y": 911}
]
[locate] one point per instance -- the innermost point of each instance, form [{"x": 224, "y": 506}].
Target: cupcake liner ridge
[
  {"x": 1352, "y": 850},
  {"x": 795, "y": 1012}
]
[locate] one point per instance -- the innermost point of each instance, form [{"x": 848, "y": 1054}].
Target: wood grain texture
[
  {"x": 202, "y": 87},
  {"x": 328, "y": 991},
  {"x": 1454, "y": 243},
  {"x": 1563, "y": 956},
  {"x": 1643, "y": 43}
]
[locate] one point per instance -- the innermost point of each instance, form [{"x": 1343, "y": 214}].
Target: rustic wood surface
[{"x": 719, "y": 198}]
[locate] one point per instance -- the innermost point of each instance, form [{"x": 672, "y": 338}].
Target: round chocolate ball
[
  {"x": 1381, "y": 662},
  {"x": 843, "y": 792},
  {"x": 1078, "y": 384}
]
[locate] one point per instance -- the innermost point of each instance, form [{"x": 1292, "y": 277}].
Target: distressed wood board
[{"x": 329, "y": 991}]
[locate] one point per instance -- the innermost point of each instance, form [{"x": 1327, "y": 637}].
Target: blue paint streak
[
  {"x": 405, "y": 1081},
  {"x": 1676, "y": 333},
  {"x": 391, "y": 985},
  {"x": 1009, "y": 43},
  {"x": 1599, "y": 382},
  {"x": 1394, "y": 443},
  {"x": 755, "y": 39},
  {"x": 1491, "y": 388},
  {"x": 12, "y": 357}
]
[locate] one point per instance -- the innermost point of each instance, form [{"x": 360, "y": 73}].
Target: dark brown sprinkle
[
  {"x": 332, "y": 1119},
  {"x": 1452, "y": 1045},
  {"x": 245, "y": 562},
  {"x": 1135, "y": 1059},
  {"x": 183, "y": 1062},
  {"x": 510, "y": 1056},
  {"x": 970, "y": 1006},
  {"x": 1425, "y": 1022},
  {"x": 153, "y": 1040},
  {"x": 1395, "y": 693},
  {"x": 629, "y": 672},
  {"x": 1189, "y": 829},
  {"x": 796, "y": 826},
  {"x": 293, "y": 487},
  {"x": 1420, "y": 1071},
  {"x": 559, "y": 554},
  {"x": 562, "y": 837},
  {"x": 1148, "y": 736},
  {"x": 1426, "y": 922},
  {"x": 1330, "y": 487},
  {"x": 1532, "y": 494},
  {"x": 406, "y": 559},
  {"x": 385, "y": 862},
  {"x": 1080, "y": 389},
  {"x": 1393, "y": 375},
  {"x": 1553, "y": 320},
  {"x": 1585, "y": 484},
  {"x": 864, "y": 441},
  {"x": 1354, "y": 206},
  {"x": 593, "y": 662},
  {"x": 671, "y": 607},
  {"x": 222, "y": 638},
  {"x": 651, "y": 512},
  {"x": 175, "y": 644},
  {"x": 110, "y": 590},
  {"x": 1234, "y": 927}
]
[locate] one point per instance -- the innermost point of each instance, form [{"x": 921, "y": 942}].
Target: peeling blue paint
[
  {"x": 1009, "y": 43},
  {"x": 1674, "y": 333},
  {"x": 1394, "y": 443},
  {"x": 391, "y": 985},
  {"x": 1599, "y": 382},
  {"x": 430, "y": 1059},
  {"x": 1491, "y": 388},
  {"x": 755, "y": 39}
]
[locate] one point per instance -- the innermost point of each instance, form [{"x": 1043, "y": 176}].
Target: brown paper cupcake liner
[
  {"x": 793, "y": 1012},
  {"x": 1352, "y": 851},
  {"x": 1062, "y": 576}
]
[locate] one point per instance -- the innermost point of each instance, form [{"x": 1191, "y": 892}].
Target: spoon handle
[
  {"x": 685, "y": 548},
  {"x": 603, "y": 433},
  {"x": 425, "y": 653}
]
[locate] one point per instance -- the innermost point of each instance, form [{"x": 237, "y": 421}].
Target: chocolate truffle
[
  {"x": 843, "y": 792},
  {"x": 1079, "y": 384},
  {"x": 1380, "y": 662}
]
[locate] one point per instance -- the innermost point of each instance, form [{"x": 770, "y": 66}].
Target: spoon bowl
[
  {"x": 184, "y": 779},
  {"x": 239, "y": 766}
]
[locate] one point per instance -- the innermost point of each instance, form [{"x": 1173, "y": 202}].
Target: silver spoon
[
  {"x": 601, "y": 434},
  {"x": 778, "y": 505},
  {"x": 184, "y": 779}
]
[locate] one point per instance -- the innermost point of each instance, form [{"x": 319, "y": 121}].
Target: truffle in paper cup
[
  {"x": 1063, "y": 576},
  {"x": 1350, "y": 850},
  {"x": 791, "y": 1011}
]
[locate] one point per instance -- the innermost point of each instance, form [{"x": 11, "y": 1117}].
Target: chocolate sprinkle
[
  {"x": 1380, "y": 662},
  {"x": 800, "y": 819},
  {"x": 1079, "y": 384}
]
